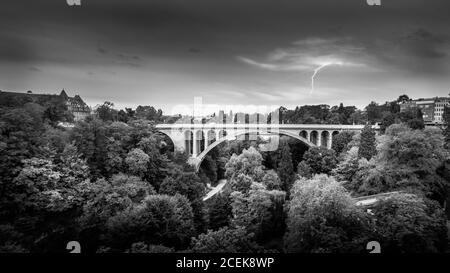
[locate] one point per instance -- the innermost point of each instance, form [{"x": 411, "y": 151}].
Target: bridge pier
[
  {"x": 330, "y": 139},
  {"x": 205, "y": 140},
  {"x": 195, "y": 142},
  {"x": 319, "y": 138}
]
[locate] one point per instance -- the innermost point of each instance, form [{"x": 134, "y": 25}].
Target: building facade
[
  {"x": 75, "y": 105},
  {"x": 439, "y": 108},
  {"x": 432, "y": 108},
  {"x": 79, "y": 109}
]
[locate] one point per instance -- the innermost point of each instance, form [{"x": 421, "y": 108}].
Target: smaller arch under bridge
[{"x": 198, "y": 139}]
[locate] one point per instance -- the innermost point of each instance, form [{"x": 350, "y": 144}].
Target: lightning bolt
[{"x": 314, "y": 75}]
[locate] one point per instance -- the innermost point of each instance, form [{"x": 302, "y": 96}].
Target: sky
[{"x": 232, "y": 54}]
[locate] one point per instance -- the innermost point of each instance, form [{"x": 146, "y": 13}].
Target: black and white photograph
[{"x": 235, "y": 127}]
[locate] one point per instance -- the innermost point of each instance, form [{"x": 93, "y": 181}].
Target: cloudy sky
[{"x": 229, "y": 52}]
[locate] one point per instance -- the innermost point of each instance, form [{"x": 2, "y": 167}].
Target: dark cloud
[
  {"x": 15, "y": 49},
  {"x": 425, "y": 44},
  {"x": 102, "y": 50},
  {"x": 425, "y": 35},
  {"x": 243, "y": 44},
  {"x": 194, "y": 50},
  {"x": 128, "y": 57}
]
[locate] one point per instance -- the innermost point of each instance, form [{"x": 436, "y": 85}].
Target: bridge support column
[
  {"x": 319, "y": 138},
  {"x": 205, "y": 139},
  {"x": 194, "y": 144},
  {"x": 330, "y": 139}
]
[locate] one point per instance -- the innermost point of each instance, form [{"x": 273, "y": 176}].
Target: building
[
  {"x": 432, "y": 108},
  {"x": 75, "y": 105},
  {"x": 439, "y": 108}
]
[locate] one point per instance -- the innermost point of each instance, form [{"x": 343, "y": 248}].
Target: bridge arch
[
  {"x": 304, "y": 134},
  {"x": 211, "y": 136},
  {"x": 314, "y": 137},
  {"x": 222, "y": 133},
  {"x": 188, "y": 141},
  {"x": 199, "y": 159},
  {"x": 199, "y": 139},
  {"x": 324, "y": 139}
]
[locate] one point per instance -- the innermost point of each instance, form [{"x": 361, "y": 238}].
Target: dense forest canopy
[{"x": 115, "y": 184}]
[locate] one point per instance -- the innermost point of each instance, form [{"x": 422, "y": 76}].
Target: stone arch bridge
[{"x": 198, "y": 139}]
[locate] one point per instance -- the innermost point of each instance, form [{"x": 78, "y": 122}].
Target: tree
[
  {"x": 137, "y": 162},
  {"x": 241, "y": 183},
  {"x": 9, "y": 238},
  {"x": 322, "y": 217},
  {"x": 348, "y": 166},
  {"x": 140, "y": 129},
  {"x": 417, "y": 154},
  {"x": 446, "y": 118},
  {"x": 149, "y": 113},
  {"x": 403, "y": 98},
  {"x": 160, "y": 219},
  {"x": 304, "y": 170},
  {"x": 258, "y": 211},
  {"x": 413, "y": 117},
  {"x": 141, "y": 247},
  {"x": 57, "y": 111},
  {"x": 225, "y": 240},
  {"x": 106, "y": 112},
  {"x": 38, "y": 184},
  {"x": 320, "y": 160},
  {"x": 388, "y": 119},
  {"x": 74, "y": 169},
  {"x": 89, "y": 136},
  {"x": 408, "y": 223},
  {"x": 157, "y": 164},
  {"x": 249, "y": 163},
  {"x": 189, "y": 185},
  {"x": 414, "y": 148},
  {"x": 209, "y": 167},
  {"x": 219, "y": 211},
  {"x": 341, "y": 140},
  {"x": 115, "y": 157},
  {"x": 444, "y": 172},
  {"x": 358, "y": 117},
  {"x": 118, "y": 144},
  {"x": 107, "y": 198},
  {"x": 123, "y": 116},
  {"x": 271, "y": 180},
  {"x": 380, "y": 179},
  {"x": 44, "y": 188},
  {"x": 367, "y": 147},
  {"x": 374, "y": 112},
  {"x": 55, "y": 139},
  {"x": 285, "y": 167},
  {"x": 20, "y": 131},
  {"x": 407, "y": 160},
  {"x": 103, "y": 201}
]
